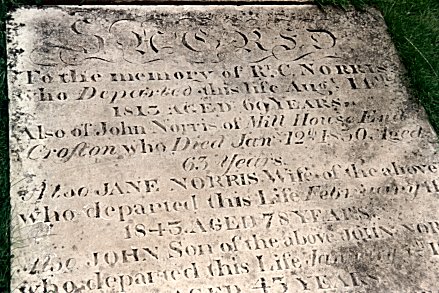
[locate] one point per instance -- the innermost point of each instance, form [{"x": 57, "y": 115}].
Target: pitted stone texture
[{"x": 216, "y": 149}]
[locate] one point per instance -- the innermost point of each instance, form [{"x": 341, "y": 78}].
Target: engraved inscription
[{"x": 192, "y": 149}]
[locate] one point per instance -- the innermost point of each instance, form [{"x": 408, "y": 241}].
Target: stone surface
[
  {"x": 192, "y": 1},
  {"x": 77, "y": 2},
  {"x": 216, "y": 149}
]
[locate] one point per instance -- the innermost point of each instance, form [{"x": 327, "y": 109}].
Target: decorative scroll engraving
[{"x": 145, "y": 42}]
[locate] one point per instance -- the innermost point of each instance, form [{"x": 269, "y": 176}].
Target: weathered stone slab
[
  {"x": 194, "y": 1},
  {"x": 216, "y": 149},
  {"x": 77, "y": 2}
]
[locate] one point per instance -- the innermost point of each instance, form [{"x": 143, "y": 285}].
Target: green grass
[{"x": 413, "y": 25}]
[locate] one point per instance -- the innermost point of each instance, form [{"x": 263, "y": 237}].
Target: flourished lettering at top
[{"x": 145, "y": 42}]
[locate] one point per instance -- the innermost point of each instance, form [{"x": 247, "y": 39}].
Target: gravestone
[
  {"x": 172, "y": 2},
  {"x": 216, "y": 149}
]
